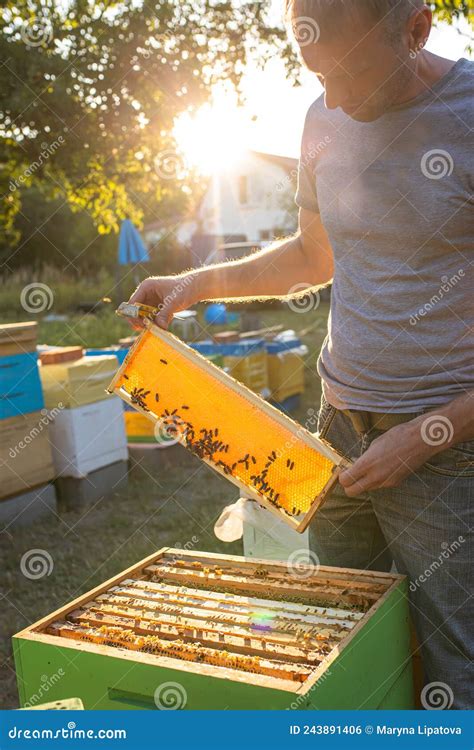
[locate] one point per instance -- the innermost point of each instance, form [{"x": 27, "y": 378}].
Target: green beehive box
[{"x": 201, "y": 631}]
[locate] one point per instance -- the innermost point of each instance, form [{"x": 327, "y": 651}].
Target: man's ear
[{"x": 419, "y": 28}]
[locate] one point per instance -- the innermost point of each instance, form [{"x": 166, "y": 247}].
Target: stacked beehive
[
  {"x": 88, "y": 430},
  {"x": 138, "y": 428},
  {"x": 245, "y": 360},
  {"x": 26, "y": 466}
]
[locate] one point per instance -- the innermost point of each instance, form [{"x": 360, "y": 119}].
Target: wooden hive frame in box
[
  {"x": 262, "y": 451},
  {"x": 226, "y": 632}
]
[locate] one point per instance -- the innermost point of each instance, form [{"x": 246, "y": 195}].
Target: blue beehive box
[
  {"x": 276, "y": 347},
  {"x": 20, "y": 385}
]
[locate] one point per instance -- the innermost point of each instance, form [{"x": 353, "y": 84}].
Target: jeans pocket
[{"x": 454, "y": 462}]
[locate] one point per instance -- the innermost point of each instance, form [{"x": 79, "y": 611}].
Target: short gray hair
[{"x": 328, "y": 14}]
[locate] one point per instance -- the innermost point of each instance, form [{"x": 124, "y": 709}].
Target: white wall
[{"x": 268, "y": 187}]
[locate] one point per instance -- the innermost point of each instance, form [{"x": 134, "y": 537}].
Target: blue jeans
[{"x": 424, "y": 526}]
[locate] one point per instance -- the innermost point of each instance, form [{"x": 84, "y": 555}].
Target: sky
[{"x": 273, "y": 117}]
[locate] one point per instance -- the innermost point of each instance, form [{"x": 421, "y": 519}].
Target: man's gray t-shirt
[{"x": 396, "y": 199}]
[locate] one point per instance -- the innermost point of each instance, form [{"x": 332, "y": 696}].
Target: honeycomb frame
[{"x": 302, "y": 492}]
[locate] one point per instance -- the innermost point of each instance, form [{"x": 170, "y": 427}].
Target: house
[{"x": 251, "y": 201}]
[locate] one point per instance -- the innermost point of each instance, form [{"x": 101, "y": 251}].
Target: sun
[{"x": 214, "y": 138}]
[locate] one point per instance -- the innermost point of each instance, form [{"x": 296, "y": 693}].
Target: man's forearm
[{"x": 271, "y": 272}]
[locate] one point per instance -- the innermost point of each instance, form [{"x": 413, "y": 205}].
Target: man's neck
[{"x": 429, "y": 69}]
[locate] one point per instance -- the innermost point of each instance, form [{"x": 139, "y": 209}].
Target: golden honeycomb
[{"x": 235, "y": 433}]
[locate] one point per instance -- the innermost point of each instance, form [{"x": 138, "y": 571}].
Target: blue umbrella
[{"x": 131, "y": 248}]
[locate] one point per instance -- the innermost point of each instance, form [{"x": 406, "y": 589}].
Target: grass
[
  {"x": 58, "y": 291},
  {"x": 172, "y": 499}
]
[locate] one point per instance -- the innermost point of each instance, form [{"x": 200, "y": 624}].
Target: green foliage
[
  {"x": 90, "y": 90},
  {"x": 47, "y": 240},
  {"x": 452, "y": 10}
]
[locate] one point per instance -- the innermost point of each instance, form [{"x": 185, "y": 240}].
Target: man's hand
[
  {"x": 389, "y": 459},
  {"x": 403, "y": 449},
  {"x": 169, "y": 294}
]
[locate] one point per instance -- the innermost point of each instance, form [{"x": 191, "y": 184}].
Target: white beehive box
[{"x": 88, "y": 437}]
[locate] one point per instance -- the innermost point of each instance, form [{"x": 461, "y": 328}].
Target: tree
[
  {"x": 453, "y": 10},
  {"x": 90, "y": 91}
]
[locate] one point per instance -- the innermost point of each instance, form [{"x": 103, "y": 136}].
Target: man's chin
[{"x": 363, "y": 115}]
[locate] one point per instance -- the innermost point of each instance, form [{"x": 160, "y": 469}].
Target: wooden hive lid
[
  {"x": 61, "y": 354},
  {"x": 18, "y": 332}
]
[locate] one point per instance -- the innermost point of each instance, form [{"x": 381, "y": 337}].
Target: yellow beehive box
[
  {"x": 251, "y": 371},
  {"x": 246, "y": 361},
  {"x": 285, "y": 375},
  {"x": 25, "y": 453},
  {"x": 139, "y": 428},
  {"x": 276, "y": 461},
  {"x": 17, "y": 338},
  {"x": 77, "y": 383}
]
